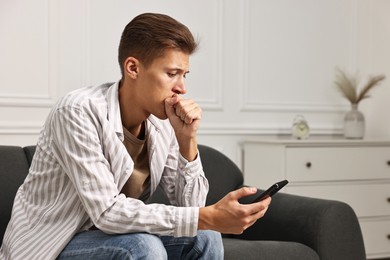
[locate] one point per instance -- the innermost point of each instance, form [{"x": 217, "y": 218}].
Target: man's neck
[
  {"x": 132, "y": 119},
  {"x": 138, "y": 131}
]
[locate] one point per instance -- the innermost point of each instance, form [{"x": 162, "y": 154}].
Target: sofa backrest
[
  {"x": 13, "y": 170},
  {"x": 29, "y": 151},
  {"x": 222, "y": 173}
]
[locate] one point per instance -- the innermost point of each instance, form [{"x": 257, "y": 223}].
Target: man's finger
[
  {"x": 170, "y": 105},
  {"x": 243, "y": 192}
]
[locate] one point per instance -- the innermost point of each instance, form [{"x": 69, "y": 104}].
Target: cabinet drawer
[
  {"x": 337, "y": 163},
  {"x": 366, "y": 199},
  {"x": 376, "y": 237}
]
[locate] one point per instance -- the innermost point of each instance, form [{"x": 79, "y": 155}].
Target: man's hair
[{"x": 148, "y": 35}]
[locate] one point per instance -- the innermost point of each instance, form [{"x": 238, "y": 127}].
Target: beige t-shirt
[{"x": 140, "y": 178}]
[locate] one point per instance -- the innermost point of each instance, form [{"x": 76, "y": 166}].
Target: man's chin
[{"x": 161, "y": 116}]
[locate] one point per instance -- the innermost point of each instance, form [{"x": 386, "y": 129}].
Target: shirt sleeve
[{"x": 184, "y": 182}]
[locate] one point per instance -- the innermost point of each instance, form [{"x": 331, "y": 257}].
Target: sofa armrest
[{"x": 331, "y": 228}]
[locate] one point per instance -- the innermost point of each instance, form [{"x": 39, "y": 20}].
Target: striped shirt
[{"x": 79, "y": 169}]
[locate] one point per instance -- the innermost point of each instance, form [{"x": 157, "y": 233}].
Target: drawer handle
[
  {"x": 388, "y": 236},
  {"x": 388, "y": 200},
  {"x": 388, "y": 163},
  {"x": 308, "y": 164}
]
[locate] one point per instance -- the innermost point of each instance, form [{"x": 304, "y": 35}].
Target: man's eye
[{"x": 171, "y": 75}]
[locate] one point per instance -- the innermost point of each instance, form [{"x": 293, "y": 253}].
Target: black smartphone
[{"x": 271, "y": 190}]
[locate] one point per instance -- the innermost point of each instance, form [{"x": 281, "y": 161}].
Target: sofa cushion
[
  {"x": 13, "y": 171},
  {"x": 264, "y": 250}
]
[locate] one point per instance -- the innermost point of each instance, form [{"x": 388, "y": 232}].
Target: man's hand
[
  {"x": 229, "y": 216},
  {"x": 184, "y": 116}
]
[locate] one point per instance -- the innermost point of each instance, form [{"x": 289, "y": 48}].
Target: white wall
[{"x": 260, "y": 62}]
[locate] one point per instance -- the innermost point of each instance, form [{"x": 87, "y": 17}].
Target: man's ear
[{"x": 131, "y": 67}]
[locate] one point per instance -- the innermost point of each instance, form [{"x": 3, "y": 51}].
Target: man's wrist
[
  {"x": 205, "y": 221},
  {"x": 189, "y": 149}
]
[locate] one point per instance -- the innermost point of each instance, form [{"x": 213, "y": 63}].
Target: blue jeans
[{"x": 98, "y": 245}]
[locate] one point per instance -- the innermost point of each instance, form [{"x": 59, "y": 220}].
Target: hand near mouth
[{"x": 184, "y": 116}]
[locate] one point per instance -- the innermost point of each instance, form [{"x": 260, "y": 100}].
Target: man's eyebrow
[{"x": 179, "y": 69}]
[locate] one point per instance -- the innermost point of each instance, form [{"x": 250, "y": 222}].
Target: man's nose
[{"x": 180, "y": 87}]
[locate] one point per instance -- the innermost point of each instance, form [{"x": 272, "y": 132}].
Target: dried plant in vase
[{"x": 348, "y": 86}]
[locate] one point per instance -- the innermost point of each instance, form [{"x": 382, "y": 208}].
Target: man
[{"x": 104, "y": 150}]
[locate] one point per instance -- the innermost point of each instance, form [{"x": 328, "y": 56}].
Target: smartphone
[{"x": 271, "y": 190}]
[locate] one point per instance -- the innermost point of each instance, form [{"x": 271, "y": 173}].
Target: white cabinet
[{"x": 356, "y": 172}]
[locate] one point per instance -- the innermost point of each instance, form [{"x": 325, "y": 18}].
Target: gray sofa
[{"x": 293, "y": 228}]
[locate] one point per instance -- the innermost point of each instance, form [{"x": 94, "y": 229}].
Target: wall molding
[
  {"x": 273, "y": 106},
  {"x": 253, "y": 129},
  {"x": 20, "y": 128},
  {"x": 215, "y": 102},
  {"x": 293, "y": 107},
  {"x": 46, "y": 99},
  {"x": 206, "y": 129},
  {"x": 28, "y": 101}
]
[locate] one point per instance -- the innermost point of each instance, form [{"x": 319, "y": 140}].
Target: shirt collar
[{"x": 114, "y": 113}]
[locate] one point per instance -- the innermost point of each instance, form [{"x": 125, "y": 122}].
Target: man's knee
[
  {"x": 210, "y": 242},
  {"x": 209, "y": 236},
  {"x": 144, "y": 246},
  {"x": 98, "y": 245}
]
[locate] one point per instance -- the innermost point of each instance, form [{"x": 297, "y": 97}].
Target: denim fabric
[{"x": 97, "y": 245}]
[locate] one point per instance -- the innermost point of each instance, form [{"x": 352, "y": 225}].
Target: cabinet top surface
[{"x": 318, "y": 142}]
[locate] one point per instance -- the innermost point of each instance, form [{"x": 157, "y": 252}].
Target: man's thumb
[{"x": 243, "y": 192}]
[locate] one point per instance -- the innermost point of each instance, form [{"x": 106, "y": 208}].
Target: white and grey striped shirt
[{"x": 78, "y": 170}]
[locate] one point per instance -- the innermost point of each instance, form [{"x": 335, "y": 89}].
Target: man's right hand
[{"x": 228, "y": 216}]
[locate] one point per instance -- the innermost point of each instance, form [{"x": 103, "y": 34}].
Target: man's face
[{"x": 161, "y": 80}]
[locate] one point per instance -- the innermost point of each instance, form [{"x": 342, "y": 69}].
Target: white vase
[{"x": 354, "y": 123}]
